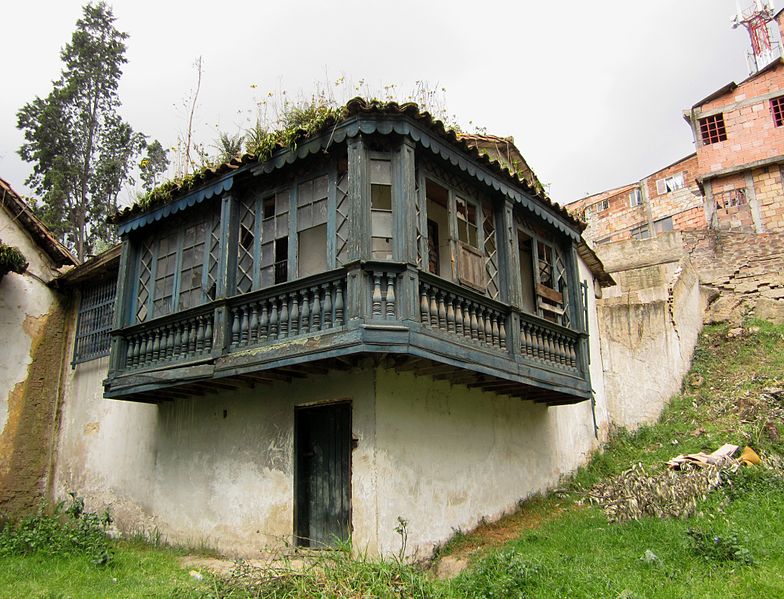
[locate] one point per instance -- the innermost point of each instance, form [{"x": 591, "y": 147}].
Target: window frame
[
  {"x": 635, "y": 197},
  {"x": 95, "y": 320},
  {"x": 777, "y": 110},
  {"x": 712, "y": 129},
  {"x": 207, "y": 216}
]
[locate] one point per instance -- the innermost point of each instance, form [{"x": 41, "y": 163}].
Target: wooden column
[
  {"x": 227, "y": 273},
  {"x": 359, "y": 241},
  {"x": 123, "y": 302}
]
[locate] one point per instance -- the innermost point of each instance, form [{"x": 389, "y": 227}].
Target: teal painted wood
[
  {"x": 322, "y": 512},
  {"x": 511, "y": 269},
  {"x": 213, "y": 188},
  {"x": 332, "y": 214},
  {"x": 407, "y": 202},
  {"x": 359, "y": 200},
  {"x": 225, "y": 268},
  {"x": 123, "y": 303}
]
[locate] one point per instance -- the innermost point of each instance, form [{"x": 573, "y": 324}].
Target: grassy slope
[
  {"x": 579, "y": 554},
  {"x": 136, "y": 571},
  {"x": 553, "y": 547}
]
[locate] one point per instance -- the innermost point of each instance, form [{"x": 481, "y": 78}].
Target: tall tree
[
  {"x": 81, "y": 149},
  {"x": 153, "y": 165}
]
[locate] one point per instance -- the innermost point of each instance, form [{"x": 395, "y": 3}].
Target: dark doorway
[{"x": 322, "y": 479}]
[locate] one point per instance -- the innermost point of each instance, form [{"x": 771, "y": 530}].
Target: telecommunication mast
[{"x": 756, "y": 20}]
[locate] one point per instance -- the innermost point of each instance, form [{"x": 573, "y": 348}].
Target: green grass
[
  {"x": 135, "y": 571},
  {"x": 561, "y": 546}
]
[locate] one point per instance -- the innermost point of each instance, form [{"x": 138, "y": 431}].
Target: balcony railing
[
  {"x": 462, "y": 313},
  {"x": 387, "y": 298},
  {"x": 174, "y": 338},
  {"x": 303, "y": 307}
]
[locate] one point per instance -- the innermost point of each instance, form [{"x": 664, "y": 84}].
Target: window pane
[
  {"x": 381, "y": 172},
  {"x": 381, "y": 224},
  {"x": 382, "y": 248},
  {"x": 282, "y": 202},
  {"x": 312, "y": 251},
  {"x": 305, "y": 193},
  {"x": 321, "y": 187},
  {"x": 381, "y": 197}
]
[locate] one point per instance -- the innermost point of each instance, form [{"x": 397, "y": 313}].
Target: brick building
[{"x": 733, "y": 181}]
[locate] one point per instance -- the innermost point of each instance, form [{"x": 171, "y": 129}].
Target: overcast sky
[{"x": 591, "y": 91}]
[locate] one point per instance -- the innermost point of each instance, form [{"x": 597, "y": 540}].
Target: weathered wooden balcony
[{"x": 389, "y": 312}]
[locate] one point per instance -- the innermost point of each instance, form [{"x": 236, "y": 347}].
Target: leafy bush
[
  {"x": 501, "y": 574},
  {"x": 713, "y": 547},
  {"x": 11, "y": 260},
  {"x": 67, "y": 530}
]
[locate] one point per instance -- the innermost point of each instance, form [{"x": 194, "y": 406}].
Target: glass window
[
  {"x": 381, "y": 209},
  {"x": 274, "y": 239},
  {"x": 312, "y": 226},
  {"x": 467, "y": 228}
]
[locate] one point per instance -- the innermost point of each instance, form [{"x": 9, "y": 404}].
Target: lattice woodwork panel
[
  {"x": 562, "y": 285},
  {"x": 418, "y": 206},
  {"x": 145, "y": 275},
  {"x": 342, "y": 225},
  {"x": 491, "y": 250},
  {"x": 214, "y": 253},
  {"x": 246, "y": 243}
]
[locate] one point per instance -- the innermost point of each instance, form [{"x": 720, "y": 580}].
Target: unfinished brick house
[{"x": 733, "y": 181}]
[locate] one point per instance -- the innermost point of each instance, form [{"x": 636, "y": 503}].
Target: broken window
[
  {"x": 712, "y": 129},
  {"x": 274, "y": 239},
  {"x": 192, "y": 267},
  {"x": 525, "y": 248},
  {"x": 381, "y": 209},
  {"x": 94, "y": 323},
  {"x": 438, "y": 250},
  {"x": 312, "y": 226},
  {"x": 551, "y": 288},
  {"x": 635, "y": 197},
  {"x": 730, "y": 198},
  {"x": 470, "y": 263},
  {"x": 777, "y": 110},
  {"x": 668, "y": 184}
]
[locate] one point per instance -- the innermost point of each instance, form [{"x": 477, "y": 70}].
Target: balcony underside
[{"x": 403, "y": 346}]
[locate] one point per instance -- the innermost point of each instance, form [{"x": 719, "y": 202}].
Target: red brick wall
[{"x": 751, "y": 132}]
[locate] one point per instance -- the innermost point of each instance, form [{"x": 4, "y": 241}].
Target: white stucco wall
[
  {"x": 649, "y": 326},
  {"x": 24, "y": 300},
  {"x": 199, "y": 476},
  {"x": 447, "y": 455}
]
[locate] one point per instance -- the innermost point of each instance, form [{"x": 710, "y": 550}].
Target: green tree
[
  {"x": 153, "y": 165},
  {"x": 81, "y": 149}
]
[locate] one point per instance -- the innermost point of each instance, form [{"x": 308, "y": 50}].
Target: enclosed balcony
[{"x": 383, "y": 241}]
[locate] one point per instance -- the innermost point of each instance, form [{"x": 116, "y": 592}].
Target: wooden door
[{"x": 322, "y": 507}]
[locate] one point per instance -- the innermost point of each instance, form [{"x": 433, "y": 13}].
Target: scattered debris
[
  {"x": 698, "y": 432},
  {"x": 696, "y": 380},
  {"x": 649, "y": 557},
  {"x": 750, "y": 457},
  {"x": 718, "y": 458},
  {"x": 196, "y": 575},
  {"x": 737, "y": 332},
  {"x": 637, "y": 493}
]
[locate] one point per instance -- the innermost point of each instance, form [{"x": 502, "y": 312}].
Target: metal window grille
[
  {"x": 777, "y": 109},
  {"x": 712, "y": 129},
  {"x": 94, "y": 323}
]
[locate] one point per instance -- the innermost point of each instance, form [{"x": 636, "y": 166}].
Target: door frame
[{"x": 295, "y": 458}]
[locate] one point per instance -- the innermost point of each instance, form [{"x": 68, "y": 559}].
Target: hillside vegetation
[{"x": 561, "y": 545}]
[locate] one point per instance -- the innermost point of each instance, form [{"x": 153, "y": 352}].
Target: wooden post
[
  {"x": 359, "y": 241},
  {"x": 227, "y": 274},
  {"x": 122, "y": 306},
  {"x": 509, "y": 257},
  {"x": 404, "y": 203}
]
